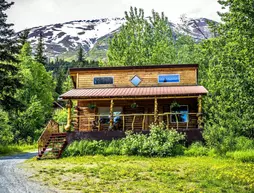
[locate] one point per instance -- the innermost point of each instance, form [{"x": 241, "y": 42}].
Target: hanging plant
[
  {"x": 174, "y": 105},
  {"x": 134, "y": 105},
  {"x": 91, "y": 106}
]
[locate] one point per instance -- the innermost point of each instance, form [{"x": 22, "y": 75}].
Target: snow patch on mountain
[{"x": 68, "y": 37}]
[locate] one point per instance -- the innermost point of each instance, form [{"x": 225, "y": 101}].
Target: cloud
[{"x": 31, "y": 13}]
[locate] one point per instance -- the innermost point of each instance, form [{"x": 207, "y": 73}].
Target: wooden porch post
[
  {"x": 69, "y": 106},
  {"x": 199, "y": 112},
  {"x": 155, "y": 110},
  {"x": 111, "y": 114}
]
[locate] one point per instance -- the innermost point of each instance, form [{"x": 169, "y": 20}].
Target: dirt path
[{"x": 14, "y": 180}]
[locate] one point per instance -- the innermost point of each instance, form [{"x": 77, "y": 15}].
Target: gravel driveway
[{"x": 14, "y": 180}]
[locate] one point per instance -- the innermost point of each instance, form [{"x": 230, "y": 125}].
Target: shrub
[
  {"x": 86, "y": 147},
  {"x": 159, "y": 142},
  {"x": 243, "y": 143},
  {"x": 196, "y": 149},
  {"x": 244, "y": 156},
  {"x": 223, "y": 141},
  {"x": 220, "y": 139}
]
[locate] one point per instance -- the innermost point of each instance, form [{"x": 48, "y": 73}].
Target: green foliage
[
  {"x": 37, "y": 82},
  {"x": 6, "y": 135},
  {"x": 60, "y": 116},
  {"x": 28, "y": 123},
  {"x": 244, "y": 156},
  {"x": 223, "y": 140},
  {"x": 226, "y": 70},
  {"x": 144, "y": 41},
  {"x": 16, "y": 148},
  {"x": 196, "y": 149},
  {"x": 36, "y": 95},
  {"x": 159, "y": 142}
]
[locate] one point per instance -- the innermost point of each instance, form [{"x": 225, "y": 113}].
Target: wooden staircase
[{"x": 52, "y": 143}]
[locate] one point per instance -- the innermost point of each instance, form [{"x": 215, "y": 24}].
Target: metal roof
[{"x": 133, "y": 92}]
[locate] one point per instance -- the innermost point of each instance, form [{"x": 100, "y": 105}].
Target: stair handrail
[{"x": 51, "y": 128}]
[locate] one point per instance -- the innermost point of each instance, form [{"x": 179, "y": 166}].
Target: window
[
  {"x": 105, "y": 114},
  {"x": 103, "y": 80},
  {"x": 182, "y": 114},
  {"x": 171, "y": 78},
  {"x": 135, "y": 80}
]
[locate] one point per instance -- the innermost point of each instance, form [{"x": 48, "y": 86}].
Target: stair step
[{"x": 57, "y": 141}]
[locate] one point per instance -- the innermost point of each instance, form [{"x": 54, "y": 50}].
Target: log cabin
[{"x": 111, "y": 100}]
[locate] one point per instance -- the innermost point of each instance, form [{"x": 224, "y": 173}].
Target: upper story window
[
  {"x": 103, "y": 80},
  {"x": 135, "y": 80},
  {"x": 170, "y": 78}
]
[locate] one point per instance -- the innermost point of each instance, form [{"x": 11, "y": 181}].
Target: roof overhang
[
  {"x": 96, "y": 93},
  {"x": 74, "y": 70}
]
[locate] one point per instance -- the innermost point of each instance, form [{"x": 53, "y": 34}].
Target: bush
[
  {"x": 220, "y": 139},
  {"x": 224, "y": 141},
  {"x": 196, "y": 149},
  {"x": 243, "y": 143},
  {"x": 86, "y": 147},
  {"x": 159, "y": 142},
  {"x": 244, "y": 156}
]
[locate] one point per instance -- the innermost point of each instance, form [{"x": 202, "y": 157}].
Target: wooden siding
[{"x": 149, "y": 77}]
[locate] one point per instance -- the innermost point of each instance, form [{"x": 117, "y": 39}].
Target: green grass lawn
[
  {"x": 15, "y": 149},
  {"x": 139, "y": 174}
]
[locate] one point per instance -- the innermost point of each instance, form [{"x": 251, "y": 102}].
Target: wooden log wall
[
  {"x": 144, "y": 106},
  {"x": 149, "y": 77}
]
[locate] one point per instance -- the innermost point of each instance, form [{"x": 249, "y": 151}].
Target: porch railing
[
  {"x": 91, "y": 122},
  {"x": 51, "y": 128}
]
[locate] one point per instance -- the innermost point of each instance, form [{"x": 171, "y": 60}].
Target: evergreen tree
[
  {"x": 39, "y": 55},
  {"x": 80, "y": 57},
  {"x": 9, "y": 79},
  {"x": 23, "y": 36}
]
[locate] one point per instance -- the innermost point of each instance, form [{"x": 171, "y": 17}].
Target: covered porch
[{"x": 117, "y": 110}]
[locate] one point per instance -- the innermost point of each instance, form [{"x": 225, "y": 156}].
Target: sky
[{"x": 31, "y": 13}]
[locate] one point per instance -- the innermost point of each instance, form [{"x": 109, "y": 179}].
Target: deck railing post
[
  {"x": 111, "y": 121},
  {"x": 69, "y": 106},
  {"x": 199, "y": 112},
  {"x": 123, "y": 123},
  {"x": 155, "y": 110},
  {"x": 167, "y": 122}
]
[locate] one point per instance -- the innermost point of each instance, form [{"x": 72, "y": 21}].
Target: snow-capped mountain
[{"x": 63, "y": 39}]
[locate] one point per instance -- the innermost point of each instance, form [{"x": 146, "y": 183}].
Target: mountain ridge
[{"x": 63, "y": 39}]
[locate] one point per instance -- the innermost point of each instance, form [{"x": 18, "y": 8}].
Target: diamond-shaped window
[{"x": 135, "y": 80}]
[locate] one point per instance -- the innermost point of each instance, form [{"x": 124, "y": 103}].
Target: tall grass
[{"x": 15, "y": 148}]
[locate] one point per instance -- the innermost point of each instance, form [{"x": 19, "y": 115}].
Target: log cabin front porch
[{"x": 109, "y": 118}]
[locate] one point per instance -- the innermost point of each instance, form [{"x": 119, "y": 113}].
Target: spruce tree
[
  {"x": 9, "y": 79},
  {"x": 80, "y": 57},
  {"x": 23, "y": 36},
  {"x": 39, "y": 55}
]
